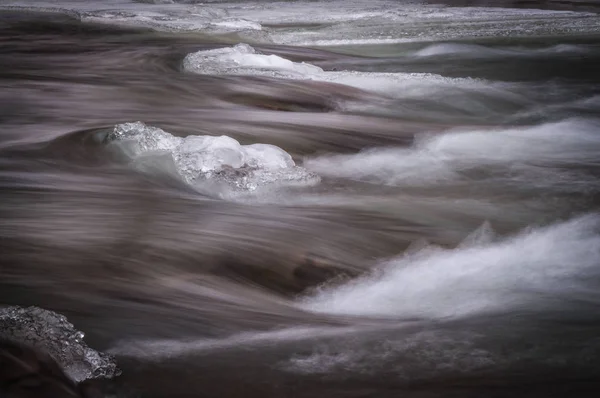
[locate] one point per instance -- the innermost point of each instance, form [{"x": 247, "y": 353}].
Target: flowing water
[{"x": 438, "y": 236}]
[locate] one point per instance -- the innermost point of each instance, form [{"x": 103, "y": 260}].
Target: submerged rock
[
  {"x": 208, "y": 159},
  {"x": 51, "y": 333}
]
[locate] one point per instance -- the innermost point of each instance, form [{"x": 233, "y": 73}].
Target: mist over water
[{"x": 306, "y": 199}]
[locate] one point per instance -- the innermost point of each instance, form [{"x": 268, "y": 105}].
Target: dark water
[{"x": 455, "y": 227}]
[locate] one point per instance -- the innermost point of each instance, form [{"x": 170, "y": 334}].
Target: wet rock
[
  {"x": 25, "y": 372},
  {"x": 52, "y": 334}
]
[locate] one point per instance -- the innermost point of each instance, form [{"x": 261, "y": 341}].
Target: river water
[{"x": 447, "y": 242}]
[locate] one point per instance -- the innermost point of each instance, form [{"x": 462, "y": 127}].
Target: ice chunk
[
  {"x": 205, "y": 154},
  {"x": 324, "y": 23},
  {"x": 241, "y": 48},
  {"x": 170, "y": 19},
  {"x": 267, "y": 156},
  {"x": 52, "y": 333},
  {"x": 251, "y": 179},
  {"x": 243, "y": 59},
  {"x": 141, "y": 138},
  {"x": 238, "y": 24},
  {"x": 221, "y": 160}
]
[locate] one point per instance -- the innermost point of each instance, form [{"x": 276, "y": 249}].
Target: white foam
[
  {"x": 400, "y": 85},
  {"x": 533, "y": 268},
  {"x": 406, "y": 354},
  {"x": 474, "y": 50},
  {"x": 452, "y": 48},
  {"x": 520, "y": 154},
  {"x": 160, "y": 349}
]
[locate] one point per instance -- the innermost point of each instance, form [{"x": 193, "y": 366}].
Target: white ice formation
[
  {"x": 244, "y": 60},
  {"x": 207, "y": 159},
  {"x": 52, "y": 333},
  {"x": 338, "y": 22}
]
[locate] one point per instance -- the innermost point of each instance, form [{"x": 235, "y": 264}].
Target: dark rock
[{"x": 26, "y": 372}]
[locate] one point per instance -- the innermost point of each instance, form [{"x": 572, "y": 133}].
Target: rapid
[{"x": 308, "y": 199}]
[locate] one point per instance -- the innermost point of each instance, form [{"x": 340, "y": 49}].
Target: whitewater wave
[
  {"x": 406, "y": 22},
  {"x": 554, "y": 155},
  {"x": 538, "y": 267},
  {"x": 348, "y": 22},
  {"x": 473, "y": 99},
  {"x": 476, "y": 50},
  {"x": 160, "y": 349},
  {"x": 244, "y": 60}
]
